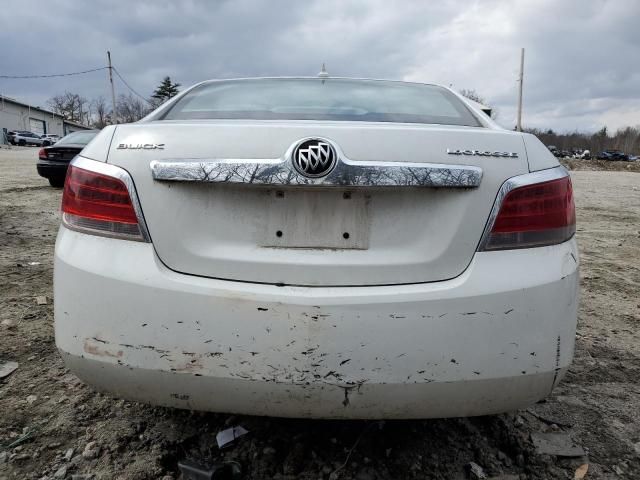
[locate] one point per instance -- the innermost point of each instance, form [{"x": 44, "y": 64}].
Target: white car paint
[
  {"x": 51, "y": 137},
  {"x": 434, "y": 238},
  {"x": 494, "y": 339},
  {"x": 410, "y": 320}
]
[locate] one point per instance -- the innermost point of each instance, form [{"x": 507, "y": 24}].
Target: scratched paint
[{"x": 98, "y": 348}]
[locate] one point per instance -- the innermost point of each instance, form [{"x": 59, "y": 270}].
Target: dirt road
[{"x": 58, "y": 427}]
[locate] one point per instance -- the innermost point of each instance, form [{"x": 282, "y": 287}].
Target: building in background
[{"x": 15, "y": 115}]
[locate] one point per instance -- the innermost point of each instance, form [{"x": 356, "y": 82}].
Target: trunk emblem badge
[
  {"x": 314, "y": 158},
  {"x": 140, "y": 146},
  {"x": 481, "y": 153}
]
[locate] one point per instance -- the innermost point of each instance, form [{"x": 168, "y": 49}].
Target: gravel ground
[
  {"x": 600, "y": 165},
  {"x": 52, "y": 426}
]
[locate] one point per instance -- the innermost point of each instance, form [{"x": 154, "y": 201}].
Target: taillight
[
  {"x": 532, "y": 214},
  {"x": 42, "y": 154},
  {"x": 99, "y": 199}
]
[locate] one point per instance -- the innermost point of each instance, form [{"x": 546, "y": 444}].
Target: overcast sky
[{"x": 582, "y": 64}]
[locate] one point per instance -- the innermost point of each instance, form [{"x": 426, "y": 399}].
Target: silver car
[{"x": 28, "y": 138}]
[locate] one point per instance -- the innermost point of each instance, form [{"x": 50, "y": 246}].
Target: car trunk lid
[{"x": 340, "y": 233}]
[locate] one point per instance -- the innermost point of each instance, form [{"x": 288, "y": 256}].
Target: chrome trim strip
[
  {"x": 347, "y": 173},
  {"x": 554, "y": 173},
  {"x": 121, "y": 174}
]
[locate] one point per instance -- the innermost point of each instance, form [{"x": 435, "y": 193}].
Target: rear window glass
[
  {"x": 78, "y": 138},
  {"x": 322, "y": 99}
]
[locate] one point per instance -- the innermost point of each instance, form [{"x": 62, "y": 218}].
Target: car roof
[{"x": 363, "y": 79}]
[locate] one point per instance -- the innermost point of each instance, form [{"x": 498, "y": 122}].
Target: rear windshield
[
  {"x": 322, "y": 99},
  {"x": 78, "y": 138}
]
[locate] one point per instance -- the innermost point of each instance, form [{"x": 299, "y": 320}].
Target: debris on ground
[
  {"x": 27, "y": 434},
  {"x": 68, "y": 455},
  {"x": 225, "y": 437},
  {"x": 221, "y": 471},
  {"x": 8, "y": 322},
  {"x": 7, "y": 368},
  {"x": 91, "y": 450},
  {"x": 549, "y": 421},
  {"x": 581, "y": 471},
  {"x": 61, "y": 472},
  {"x": 41, "y": 300},
  {"x": 476, "y": 472},
  {"x": 31, "y": 399},
  {"x": 558, "y": 444},
  {"x": 599, "y": 165}
]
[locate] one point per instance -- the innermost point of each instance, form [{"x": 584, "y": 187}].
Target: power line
[
  {"x": 79, "y": 73},
  {"x": 55, "y": 74},
  {"x": 129, "y": 86}
]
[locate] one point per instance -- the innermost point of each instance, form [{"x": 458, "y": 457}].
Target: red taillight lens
[
  {"x": 534, "y": 215},
  {"x": 42, "y": 154},
  {"x": 97, "y": 203}
]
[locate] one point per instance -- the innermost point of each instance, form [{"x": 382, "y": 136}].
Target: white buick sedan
[{"x": 318, "y": 247}]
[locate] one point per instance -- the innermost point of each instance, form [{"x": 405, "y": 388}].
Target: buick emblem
[{"x": 314, "y": 158}]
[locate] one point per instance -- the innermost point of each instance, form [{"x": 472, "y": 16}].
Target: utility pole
[
  {"x": 114, "y": 116},
  {"x": 520, "y": 81}
]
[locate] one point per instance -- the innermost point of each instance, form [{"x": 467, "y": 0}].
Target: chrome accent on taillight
[
  {"x": 508, "y": 186},
  {"x": 121, "y": 174}
]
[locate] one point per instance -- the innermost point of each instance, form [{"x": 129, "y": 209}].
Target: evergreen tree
[{"x": 165, "y": 90}]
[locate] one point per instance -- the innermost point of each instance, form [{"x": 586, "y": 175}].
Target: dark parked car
[
  {"x": 613, "y": 155},
  {"x": 554, "y": 150},
  {"x": 53, "y": 161}
]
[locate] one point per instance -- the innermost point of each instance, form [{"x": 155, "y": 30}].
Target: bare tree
[
  {"x": 626, "y": 139},
  {"x": 130, "y": 108},
  {"x": 476, "y": 97},
  {"x": 70, "y": 106},
  {"x": 472, "y": 95},
  {"x": 102, "y": 115}
]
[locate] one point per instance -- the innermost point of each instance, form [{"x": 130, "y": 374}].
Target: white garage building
[{"x": 15, "y": 115}]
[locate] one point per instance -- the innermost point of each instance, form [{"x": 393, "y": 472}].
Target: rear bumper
[
  {"x": 49, "y": 169},
  {"x": 496, "y": 338}
]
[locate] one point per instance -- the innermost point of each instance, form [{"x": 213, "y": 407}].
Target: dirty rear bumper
[
  {"x": 496, "y": 338},
  {"x": 401, "y": 400}
]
